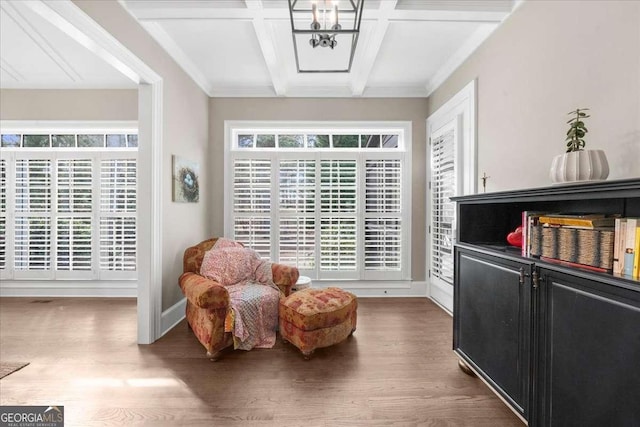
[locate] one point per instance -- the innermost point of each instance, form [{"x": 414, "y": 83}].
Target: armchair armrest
[
  {"x": 284, "y": 276},
  {"x": 203, "y": 292}
]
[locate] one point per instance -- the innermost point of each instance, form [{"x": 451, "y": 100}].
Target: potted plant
[{"x": 579, "y": 164}]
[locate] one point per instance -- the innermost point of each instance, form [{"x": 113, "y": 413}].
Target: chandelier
[{"x": 325, "y": 34}]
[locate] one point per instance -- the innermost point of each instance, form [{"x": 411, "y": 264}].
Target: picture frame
[{"x": 186, "y": 180}]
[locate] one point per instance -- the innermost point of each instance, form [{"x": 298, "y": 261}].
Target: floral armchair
[{"x": 208, "y": 301}]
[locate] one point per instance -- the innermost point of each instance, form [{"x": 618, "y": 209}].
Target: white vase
[{"x": 582, "y": 165}]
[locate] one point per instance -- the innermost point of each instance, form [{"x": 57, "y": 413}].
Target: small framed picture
[{"x": 186, "y": 180}]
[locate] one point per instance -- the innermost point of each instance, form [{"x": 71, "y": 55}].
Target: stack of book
[
  {"x": 585, "y": 241},
  {"x": 626, "y": 253}
]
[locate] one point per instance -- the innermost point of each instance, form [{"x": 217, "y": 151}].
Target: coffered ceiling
[
  {"x": 244, "y": 48},
  {"x": 232, "y": 48}
]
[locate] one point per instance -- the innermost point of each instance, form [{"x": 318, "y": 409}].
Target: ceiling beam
[
  {"x": 175, "y": 51},
  {"x": 155, "y": 10},
  {"x": 268, "y": 47},
  {"x": 364, "y": 65}
]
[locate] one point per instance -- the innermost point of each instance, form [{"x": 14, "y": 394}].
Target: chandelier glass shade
[{"x": 325, "y": 34}]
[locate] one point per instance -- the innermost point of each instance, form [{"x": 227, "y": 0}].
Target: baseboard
[
  {"x": 442, "y": 294},
  {"x": 364, "y": 289},
  {"x": 172, "y": 316},
  {"x": 445, "y": 309},
  {"x": 69, "y": 288}
]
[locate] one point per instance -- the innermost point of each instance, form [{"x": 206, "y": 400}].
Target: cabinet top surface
[{"x": 603, "y": 189}]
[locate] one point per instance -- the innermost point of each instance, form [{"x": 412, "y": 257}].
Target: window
[
  {"x": 68, "y": 204},
  {"x": 334, "y": 201},
  {"x": 452, "y": 160}
]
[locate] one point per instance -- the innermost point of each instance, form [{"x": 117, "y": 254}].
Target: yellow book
[
  {"x": 636, "y": 260},
  {"x": 581, "y": 221}
]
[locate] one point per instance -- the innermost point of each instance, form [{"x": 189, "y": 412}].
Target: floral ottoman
[{"x": 314, "y": 318}]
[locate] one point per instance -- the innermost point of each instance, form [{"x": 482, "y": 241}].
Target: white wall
[
  {"x": 547, "y": 59},
  {"x": 185, "y": 133},
  {"x": 68, "y": 104},
  {"x": 407, "y": 109}
]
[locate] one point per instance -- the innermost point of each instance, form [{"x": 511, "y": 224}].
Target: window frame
[
  {"x": 275, "y": 155},
  {"x": 11, "y": 155}
]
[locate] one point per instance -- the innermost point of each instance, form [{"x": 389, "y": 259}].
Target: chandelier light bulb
[{"x": 326, "y": 23}]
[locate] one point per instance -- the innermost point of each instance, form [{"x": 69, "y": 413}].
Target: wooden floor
[{"x": 398, "y": 369}]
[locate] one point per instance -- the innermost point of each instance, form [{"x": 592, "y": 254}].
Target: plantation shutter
[
  {"x": 297, "y": 197},
  {"x": 73, "y": 224},
  {"x": 252, "y": 204},
  {"x": 383, "y": 223},
  {"x": 73, "y": 249},
  {"x": 118, "y": 233},
  {"x": 443, "y": 185},
  {"x": 338, "y": 215},
  {"x": 33, "y": 215},
  {"x": 3, "y": 214}
]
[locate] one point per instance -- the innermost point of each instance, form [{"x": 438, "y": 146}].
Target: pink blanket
[{"x": 254, "y": 296}]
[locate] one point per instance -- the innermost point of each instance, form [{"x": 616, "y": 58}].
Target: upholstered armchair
[{"x": 208, "y": 301}]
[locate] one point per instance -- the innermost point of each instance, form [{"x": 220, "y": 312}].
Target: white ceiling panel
[
  {"x": 34, "y": 54},
  {"x": 226, "y": 51},
  {"x": 428, "y": 45}
]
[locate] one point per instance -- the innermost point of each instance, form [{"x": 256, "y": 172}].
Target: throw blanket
[{"x": 254, "y": 296}]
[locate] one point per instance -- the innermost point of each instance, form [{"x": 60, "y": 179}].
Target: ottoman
[{"x": 314, "y": 318}]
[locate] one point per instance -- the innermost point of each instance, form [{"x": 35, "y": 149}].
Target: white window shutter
[
  {"x": 383, "y": 186},
  {"x": 33, "y": 185},
  {"x": 74, "y": 241},
  {"x": 118, "y": 238},
  {"x": 3, "y": 214},
  {"x": 252, "y": 185},
  {"x": 338, "y": 244},
  {"x": 32, "y": 239},
  {"x": 297, "y": 242},
  {"x": 338, "y": 186},
  {"x": 60, "y": 201},
  {"x": 383, "y": 223},
  {"x": 297, "y": 202},
  {"x": 255, "y": 233},
  {"x": 118, "y": 233},
  {"x": 32, "y": 243},
  {"x": 443, "y": 184},
  {"x": 334, "y": 213},
  {"x": 75, "y": 185},
  {"x": 118, "y": 185},
  {"x": 383, "y": 247},
  {"x": 297, "y": 186}
]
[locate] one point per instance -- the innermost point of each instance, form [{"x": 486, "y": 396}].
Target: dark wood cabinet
[
  {"x": 561, "y": 345},
  {"x": 589, "y": 351},
  {"x": 492, "y": 327}
]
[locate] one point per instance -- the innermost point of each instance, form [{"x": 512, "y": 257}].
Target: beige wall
[
  {"x": 405, "y": 109},
  {"x": 547, "y": 59},
  {"x": 185, "y": 133},
  {"x": 69, "y": 104}
]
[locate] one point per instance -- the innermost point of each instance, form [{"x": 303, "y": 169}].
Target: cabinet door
[
  {"x": 492, "y": 321},
  {"x": 589, "y": 353}
]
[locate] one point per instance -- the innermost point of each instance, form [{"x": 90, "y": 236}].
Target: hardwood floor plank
[{"x": 398, "y": 369}]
